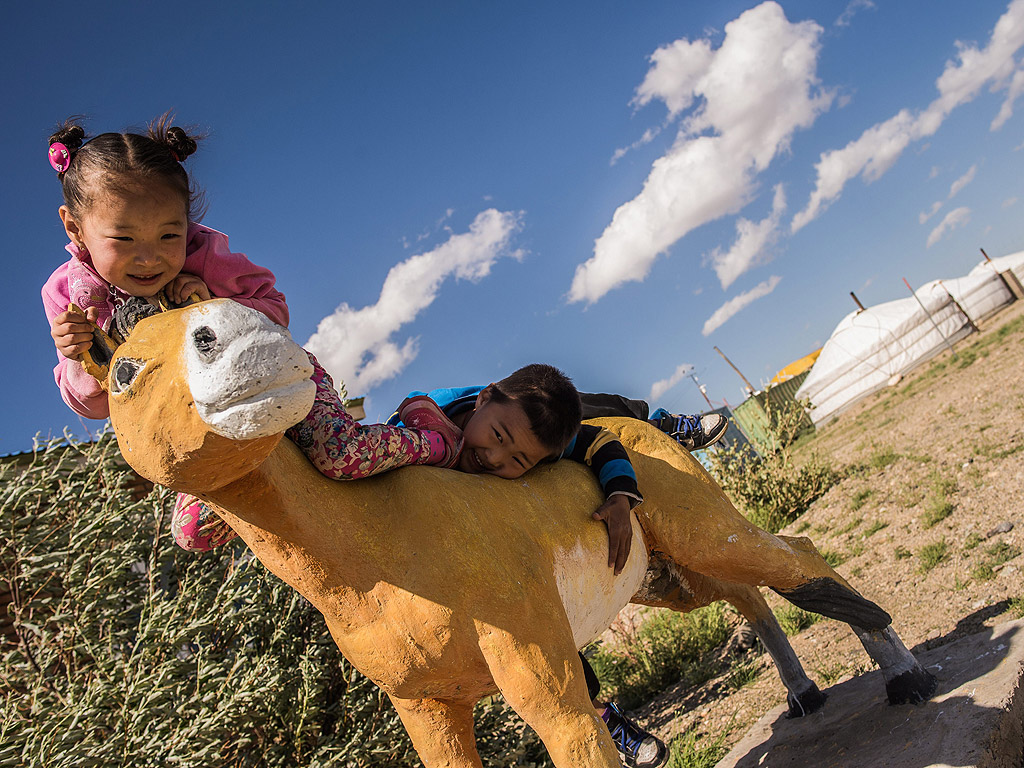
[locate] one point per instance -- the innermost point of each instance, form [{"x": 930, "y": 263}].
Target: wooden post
[
  {"x": 929, "y": 315},
  {"x": 957, "y": 303},
  {"x": 854, "y": 297},
  {"x": 750, "y": 388},
  {"x": 1009, "y": 280}
]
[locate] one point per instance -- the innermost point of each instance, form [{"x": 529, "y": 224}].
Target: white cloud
[
  {"x": 356, "y": 345},
  {"x": 954, "y": 189},
  {"x": 748, "y": 97},
  {"x": 647, "y": 138},
  {"x": 923, "y": 216},
  {"x": 738, "y": 303},
  {"x": 962, "y": 182},
  {"x": 1008, "y": 202},
  {"x": 752, "y": 241},
  {"x": 847, "y": 15},
  {"x": 1012, "y": 94},
  {"x": 662, "y": 386},
  {"x": 934, "y": 172},
  {"x": 954, "y": 219},
  {"x": 880, "y": 146}
]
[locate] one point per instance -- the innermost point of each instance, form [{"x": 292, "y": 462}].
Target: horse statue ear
[{"x": 96, "y": 359}]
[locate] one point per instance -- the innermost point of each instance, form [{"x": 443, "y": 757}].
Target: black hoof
[
  {"x": 807, "y": 702},
  {"x": 912, "y": 687},
  {"x": 830, "y": 598}
]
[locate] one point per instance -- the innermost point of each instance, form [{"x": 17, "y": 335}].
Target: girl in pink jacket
[{"x": 129, "y": 213}]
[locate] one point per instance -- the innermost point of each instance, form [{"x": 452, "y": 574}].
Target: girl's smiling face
[
  {"x": 134, "y": 235},
  {"x": 499, "y": 440}
]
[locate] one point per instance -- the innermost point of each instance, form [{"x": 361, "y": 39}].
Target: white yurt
[
  {"x": 871, "y": 346},
  {"x": 980, "y": 294},
  {"x": 1013, "y": 262}
]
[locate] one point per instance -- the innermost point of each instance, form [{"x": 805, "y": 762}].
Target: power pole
[
  {"x": 750, "y": 387},
  {"x": 703, "y": 391}
]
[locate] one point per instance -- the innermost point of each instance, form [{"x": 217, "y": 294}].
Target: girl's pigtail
[
  {"x": 177, "y": 140},
  {"x": 72, "y": 136},
  {"x": 181, "y": 144}
]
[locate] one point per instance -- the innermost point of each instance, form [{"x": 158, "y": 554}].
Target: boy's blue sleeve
[{"x": 600, "y": 450}]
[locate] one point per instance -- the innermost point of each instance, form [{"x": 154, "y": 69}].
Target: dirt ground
[{"x": 951, "y": 431}]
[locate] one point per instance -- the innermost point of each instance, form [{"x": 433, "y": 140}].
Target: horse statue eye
[
  {"x": 124, "y": 373},
  {"x": 205, "y": 340}
]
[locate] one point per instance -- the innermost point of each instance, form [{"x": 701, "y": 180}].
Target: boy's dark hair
[
  {"x": 120, "y": 159},
  {"x": 548, "y": 398}
]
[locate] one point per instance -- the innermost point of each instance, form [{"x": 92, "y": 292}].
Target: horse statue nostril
[{"x": 205, "y": 339}]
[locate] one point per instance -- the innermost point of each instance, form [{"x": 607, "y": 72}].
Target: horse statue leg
[
  {"x": 539, "y": 673},
  {"x": 670, "y": 586},
  {"x": 730, "y": 548},
  {"x": 441, "y": 731}
]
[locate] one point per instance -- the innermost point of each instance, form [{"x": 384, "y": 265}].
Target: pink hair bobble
[{"x": 59, "y": 156}]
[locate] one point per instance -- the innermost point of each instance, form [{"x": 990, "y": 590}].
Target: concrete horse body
[{"x": 441, "y": 586}]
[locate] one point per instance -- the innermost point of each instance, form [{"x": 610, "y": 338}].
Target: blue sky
[{"x": 447, "y": 191}]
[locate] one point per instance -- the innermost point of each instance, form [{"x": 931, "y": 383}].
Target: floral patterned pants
[{"x": 339, "y": 447}]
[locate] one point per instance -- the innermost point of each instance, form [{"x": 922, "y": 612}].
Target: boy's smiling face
[{"x": 499, "y": 440}]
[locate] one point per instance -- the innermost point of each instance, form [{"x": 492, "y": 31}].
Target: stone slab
[{"x": 975, "y": 719}]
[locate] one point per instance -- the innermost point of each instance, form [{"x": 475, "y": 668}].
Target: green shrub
[
  {"x": 937, "y": 505},
  {"x": 833, "y": 557},
  {"x": 773, "y": 490},
  {"x": 850, "y": 526},
  {"x": 1001, "y": 552},
  {"x": 667, "y": 648},
  {"x": 686, "y": 752},
  {"x": 935, "y": 511},
  {"x": 995, "y": 555},
  {"x": 743, "y": 674},
  {"x": 130, "y": 651},
  {"x": 794, "y": 620},
  {"x": 931, "y": 555},
  {"x": 874, "y": 528},
  {"x": 1016, "y": 607},
  {"x": 966, "y": 357},
  {"x": 831, "y": 672},
  {"x": 882, "y": 457},
  {"x": 859, "y": 497},
  {"x": 1008, "y": 452},
  {"x": 972, "y": 541},
  {"x": 983, "y": 572}
]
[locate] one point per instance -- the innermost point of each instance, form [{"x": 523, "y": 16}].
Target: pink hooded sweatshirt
[{"x": 207, "y": 256}]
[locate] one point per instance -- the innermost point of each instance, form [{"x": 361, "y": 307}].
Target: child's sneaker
[
  {"x": 637, "y": 747},
  {"x": 445, "y": 438},
  {"x": 693, "y": 432}
]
